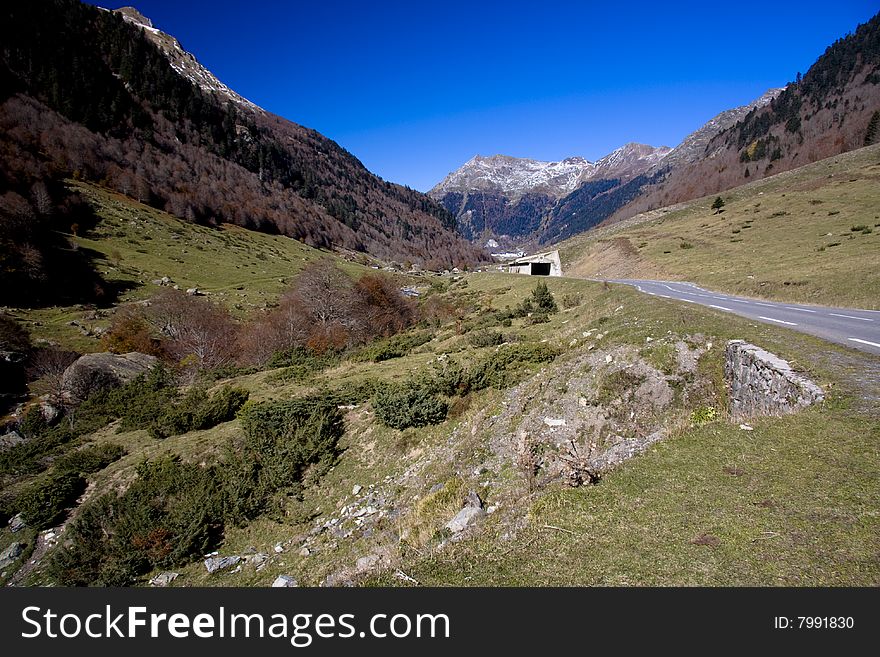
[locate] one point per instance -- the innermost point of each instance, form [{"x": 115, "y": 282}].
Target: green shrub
[
  {"x": 303, "y": 359},
  {"x": 89, "y": 460},
  {"x": 33, "y": 425},
  {"x": 172, "y": 512},
  {"x": 504, "y": 367},
  {"x": 281, "y": 440},
  {"x": 541, "y": 301},
  {"x": 32, "y": 456},
  {"x": 43, "y": 502},
  {"x": 400, "y": 406},
  {"x": 197, "y": 410},
  {"x": 446, "y": 378},
  {"x": 394, "y": 347},
  {"x": 137, "y": 403},
  {"x": 485, "y": 338}
]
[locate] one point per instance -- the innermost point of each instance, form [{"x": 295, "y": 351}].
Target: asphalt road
[{"x": 854, "y": 328}]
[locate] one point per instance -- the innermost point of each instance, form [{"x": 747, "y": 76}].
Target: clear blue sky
[{"x": 414, "y": 89}]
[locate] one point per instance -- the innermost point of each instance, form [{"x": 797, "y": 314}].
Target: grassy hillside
[
  {"x": 792, "y": 502},
  {"x": 809, "y": 235},
  {"x": 134, "y": 245}
]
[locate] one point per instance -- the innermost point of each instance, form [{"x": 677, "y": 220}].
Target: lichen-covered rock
[{"x": 94, "y": 372}]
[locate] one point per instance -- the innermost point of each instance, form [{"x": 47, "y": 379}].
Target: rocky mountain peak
[
  {"x": 182, "y": 61},
  {"x": 132, "y": 15}
]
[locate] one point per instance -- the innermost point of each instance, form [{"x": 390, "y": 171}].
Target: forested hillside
[{"x": 86, "y": 94}]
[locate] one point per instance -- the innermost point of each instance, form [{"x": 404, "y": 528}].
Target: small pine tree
[
  {"x": 718, "y": 203},
  {"x": 543, "y": 299}
]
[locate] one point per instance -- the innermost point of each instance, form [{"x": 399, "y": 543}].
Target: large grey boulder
[{"x": 94, "y": 372}]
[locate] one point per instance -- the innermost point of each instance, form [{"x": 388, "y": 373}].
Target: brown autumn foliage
[
  {"x": 325, "y": 310},
  {"x": 195, "y": 330},
  {"x": 130, "y": 331},
  {"x": 383, "y": 308}
]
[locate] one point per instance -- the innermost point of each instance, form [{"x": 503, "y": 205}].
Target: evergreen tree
[
  {"x": 718, "y": 203},
  {"x": 543, "y": 299}
]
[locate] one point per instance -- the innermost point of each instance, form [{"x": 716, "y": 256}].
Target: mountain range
[{"x": 523, "y": 203}]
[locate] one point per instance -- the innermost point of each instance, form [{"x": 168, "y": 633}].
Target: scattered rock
[
  {"x": 164, "y": 579},
  {"x": 746, "y": 427},
  {"x": 284, "y": 581},
  {"x": 465, "y": 518},
  {"x": 213, "y": 564},
  {"x": 195, "y": 292},
  {"x": 279, "y": 548},
  {"x": 609, "y": 358},
  {"x": 554, "y": 422},
  {"x": 356, "y": 490},
  {"x": 16, "y": 523},
  {"x": 304, "y": 552},
  {"x": 11, "y": 554}
]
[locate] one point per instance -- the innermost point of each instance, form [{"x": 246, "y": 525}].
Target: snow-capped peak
[{"x": 515, "y": 176}]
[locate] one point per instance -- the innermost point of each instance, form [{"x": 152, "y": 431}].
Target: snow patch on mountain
[{"x": 514, "y": 176}]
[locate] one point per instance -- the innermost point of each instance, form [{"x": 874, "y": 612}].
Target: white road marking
[
  {"x": 712, "y": 305},
  {"x": 873, "y": 344},
  {"x": 665, "y": 296},
  {"x": 803, "y": 310},
  {"x": 722, "y": 298},
  {"x": 864, "y": 319},
  {"x": 781, "y": 321},
  {"x": 740, "y": 301},
  {"x": 669, "y": 288},
  {"x": 768, "y": 305}
]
